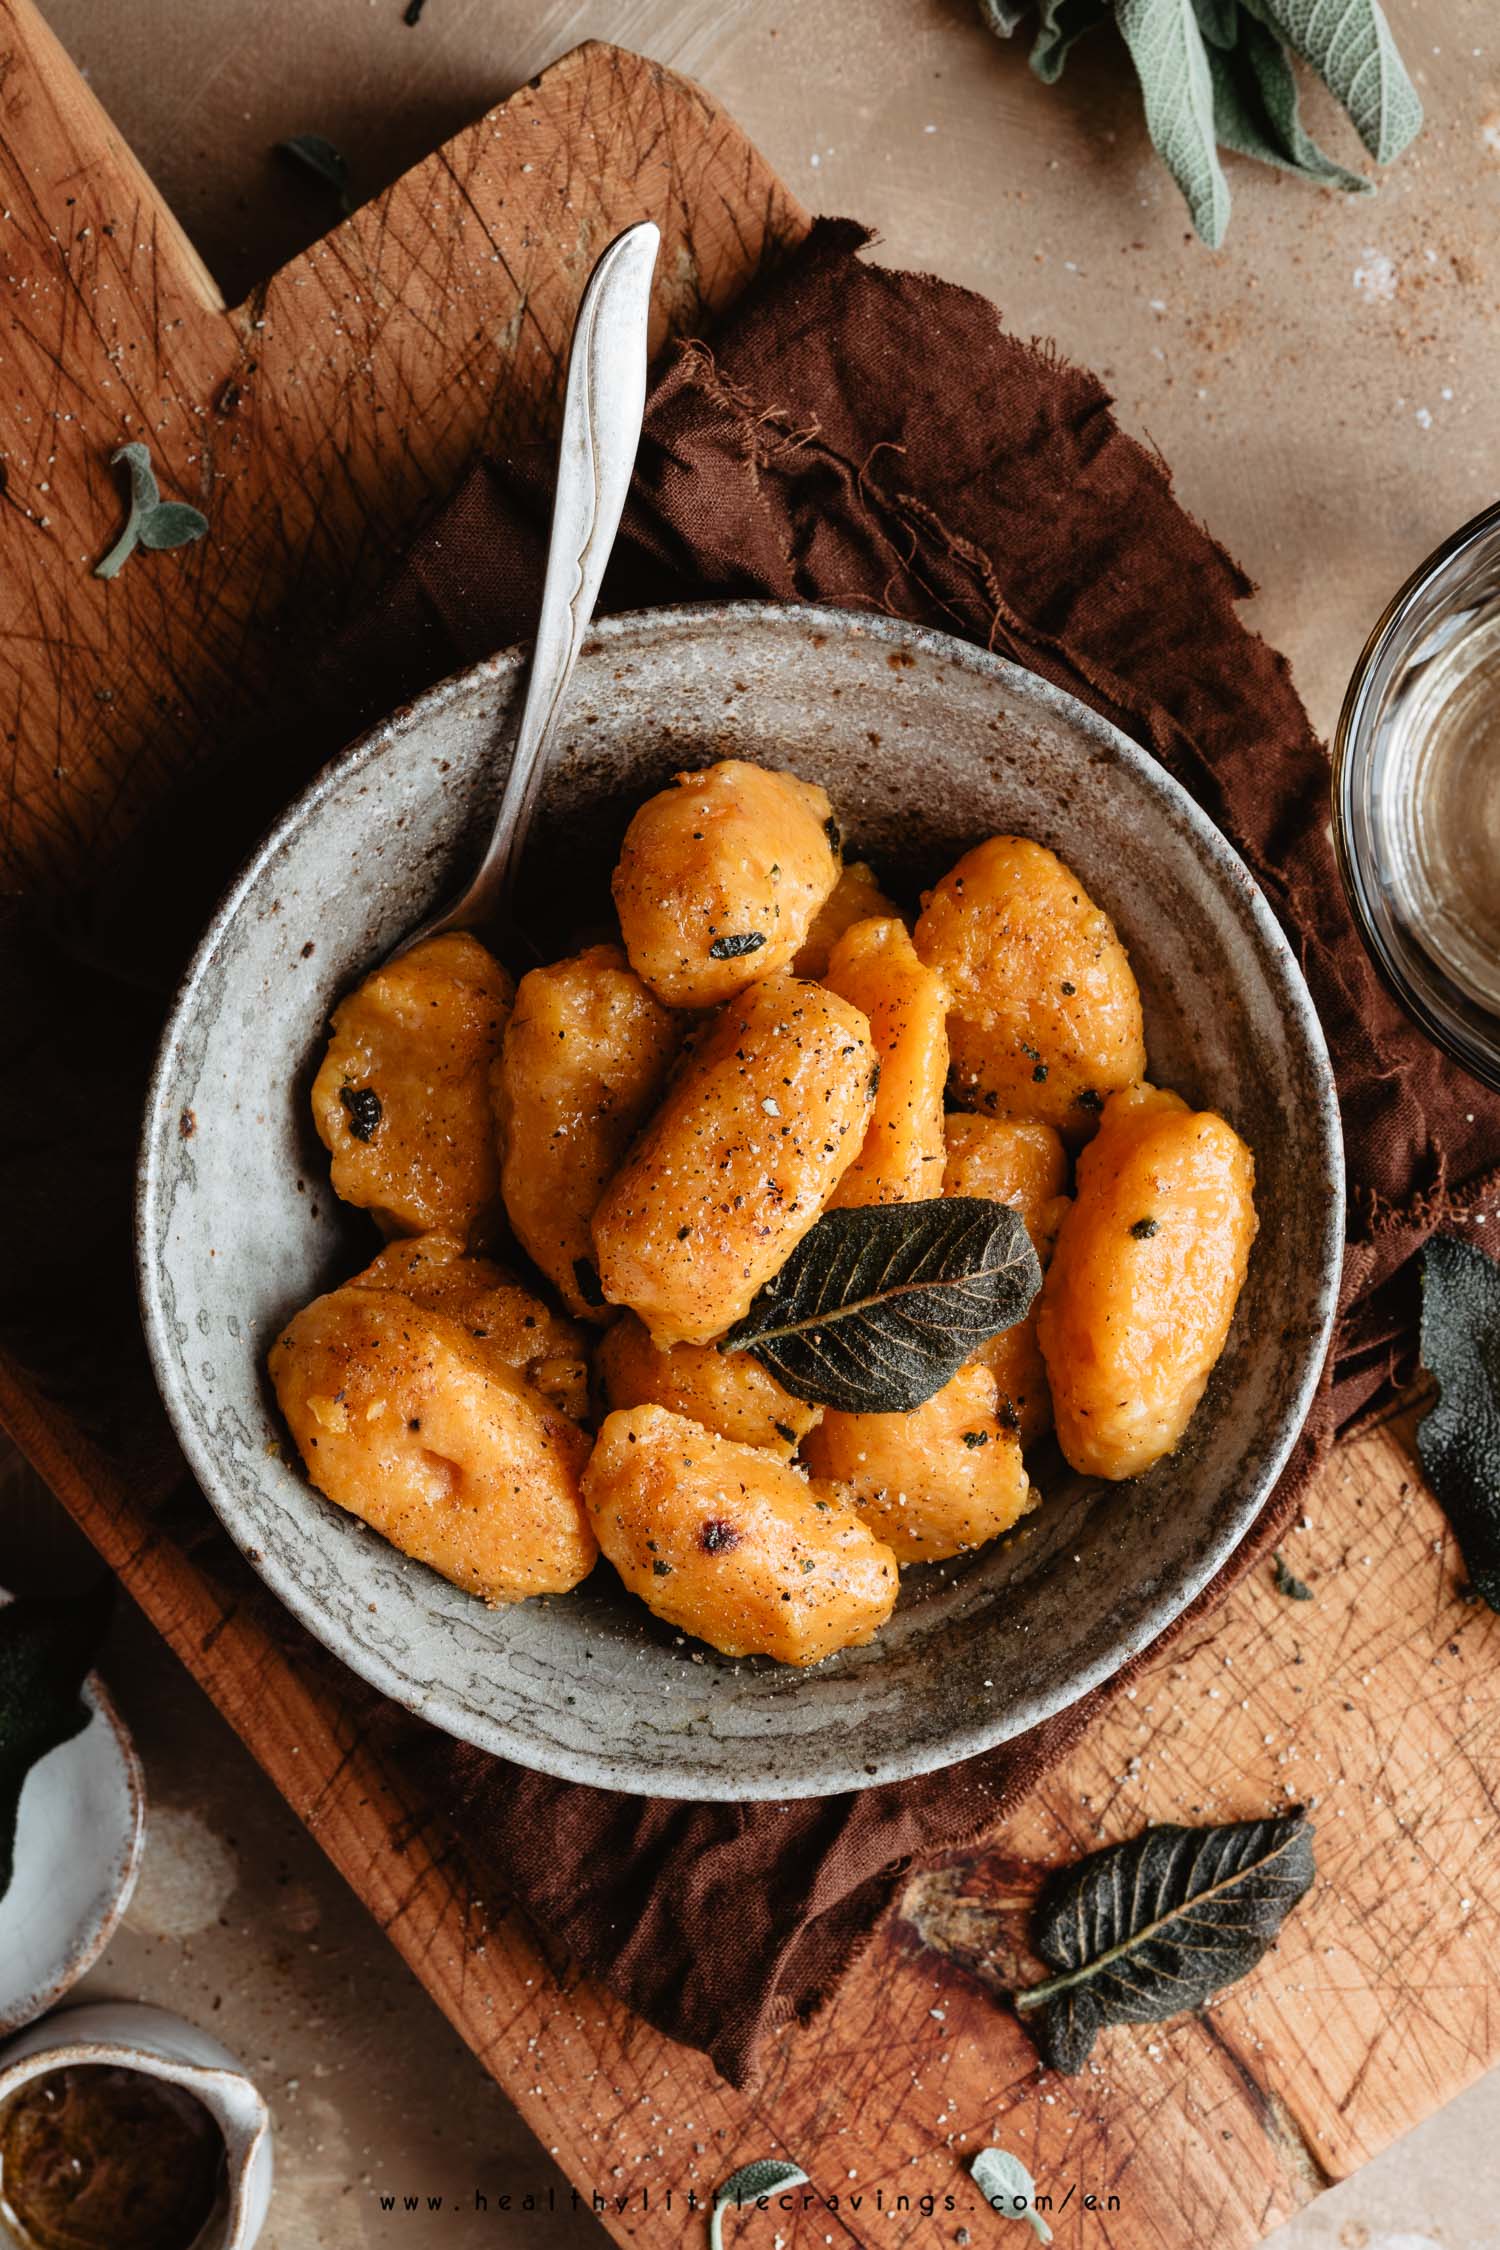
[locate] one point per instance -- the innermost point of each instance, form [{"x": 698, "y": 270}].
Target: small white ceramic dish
[
  {"x": 127, "y": 2036},
  {"x": 78, "y": 1850}
]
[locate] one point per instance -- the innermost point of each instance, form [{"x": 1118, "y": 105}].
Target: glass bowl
[{"x": 1416, "y": 796}]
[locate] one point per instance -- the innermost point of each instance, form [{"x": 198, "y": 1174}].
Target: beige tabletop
[{"x": 1324, "y": 389}]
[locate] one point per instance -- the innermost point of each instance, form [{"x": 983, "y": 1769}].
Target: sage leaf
[
  {"x": 152, "y": 522},
  {"x": 172, "y": 523},
  {"x": 1009, "y": 2189},
  {"x": 1002, "y": 16},
  {"x": 1147, "y": 1929},
  {"x": 879, "y": 1306},
  {"x": 46, "y": 1648},
  {"x": 1218, "y": 20},
  {"x": 762, "y": 2176},
  {"x": 1256, "y": 111},
  {"x": 1062, "y": 24},
  {"x": 324, "y": 161},
  {"x": 1287, "y": 1582},
  {"x": 1349, "y": 44},
  {"x": 1458, "y": 1440},
  {"x": 1171, "y": 62}
]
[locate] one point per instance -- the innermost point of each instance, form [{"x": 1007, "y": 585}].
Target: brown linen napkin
[{"x": 874, "y": 438}]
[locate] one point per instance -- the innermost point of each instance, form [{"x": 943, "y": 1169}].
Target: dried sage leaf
[
  {"x": 152, "y": 522},
  {"x": 46, "y": 1648},
  {"x": 1351, "y": 49},
  {"x": 1008, "y": 2188},
  {"x": 1256, "y": 110},
  {"x": 762, "y": 2176},
  {"x": 1147, "y": 1929},
  {"x": 1171, "y": 62},
  {"x": 1219, "y": 73},
  {"x": 879, "y": 1306},
  {"x": 1287, "y": 1582},
  {"x": 1458, "y": 1441}
]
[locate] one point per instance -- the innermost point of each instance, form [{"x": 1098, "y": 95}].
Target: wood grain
[{"x": 313, "y": 425}]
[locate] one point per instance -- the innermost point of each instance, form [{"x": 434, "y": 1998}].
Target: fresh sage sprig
[
  {"x": 762, "y": 2176},
  {"x": 1144, "y": 1930},
  {"x": 1219, "y": 74},
  {"x": 1458, "y": 1441},
  {"x": 46, "y": 1648},
  {"x": 152, "y": 522},
  {"x": 1008, "y": 2188},
  {"x": 879, "y": 1306}
]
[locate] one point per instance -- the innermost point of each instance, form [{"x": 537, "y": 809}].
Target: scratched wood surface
[{"x": 313, "y": 424}]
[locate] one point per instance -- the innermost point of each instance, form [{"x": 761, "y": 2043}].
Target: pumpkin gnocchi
[
  {"x": 753, "y": 1135},
  {"x": 663, "y": 1123},
  {"x": 402, "y": 1101},
  {"x": 727, "y": 1543},
  {"x": 720, "y": 877},
  {"x": 1149, "y": 1264},
  {"x": 1046, "y": 1018}
]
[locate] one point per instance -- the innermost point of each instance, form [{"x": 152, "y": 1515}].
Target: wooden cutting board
[{"x": 313, "y": 424}]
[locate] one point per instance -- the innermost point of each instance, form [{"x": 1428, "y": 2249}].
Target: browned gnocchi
[
  {"x": 725, "y": 1391},
  {"x": 932, "y": 1483},
  {"x": 423, "y": 1429},
  {"x": 753, "y": 1135},
  {"x": 663, "y": 1123},
  {"x": 1149, "y": 1264},
  {"x": 402, "y": 1101},
  {"x": 727, "y": 1543},
  {"x": 720, "y": 877},
  {"x": 1046, "y": 1018},
  {"x": 1014, "y": 1160},
  {"x": 586, "y": 1054},
  {"x": 855, "y": 897},
  {"x": 874, "y": 965}
]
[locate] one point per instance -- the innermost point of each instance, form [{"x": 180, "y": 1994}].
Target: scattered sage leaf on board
[
  {"x": 1458, "y": 1440},
  {"x": 1062, "y": 24},
  {"x": 1171, "y": 62},
  {"x": 879, "y": 1306},
  {"x": 1351, "y": 49},
  {"x": 1256, "y": 111},
  {"x": 763, "y": 2176},
  {"x": 324, "y": 161},
  {"x": 46, "y": 1648},
  {"x": 1009, "y": 2189},
  {"x": 1287, "y": 1582},
  {"x": 1147, "y": 1929},
  {"x": 152, "y": 522}
]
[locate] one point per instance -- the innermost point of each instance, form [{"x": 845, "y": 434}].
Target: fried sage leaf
[
  {"x": 46, "y": 1648},
  {"x": 1459, "y": 1440},
  {"x": 879, "y": 1306},
  {"x": 762, "y": 2176},
  {"x": 1146, "y": 1929}
]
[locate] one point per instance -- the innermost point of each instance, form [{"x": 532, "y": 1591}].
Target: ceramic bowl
[
  {"x": 127, "y": 2035},
  {"x": 926, "y": 745},
  {"x": 79, "y": 1833}
]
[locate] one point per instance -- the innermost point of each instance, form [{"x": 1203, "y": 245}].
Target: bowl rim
[{"x": 828, "y": 1775}]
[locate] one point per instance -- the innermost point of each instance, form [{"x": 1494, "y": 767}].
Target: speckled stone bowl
[{"x": 926, "y": 745}]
